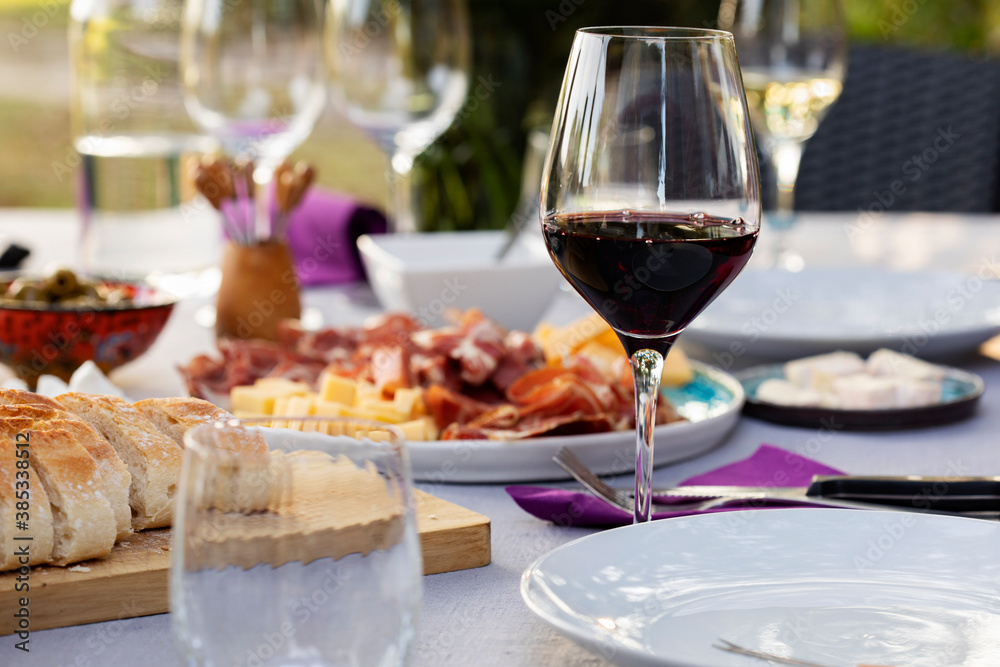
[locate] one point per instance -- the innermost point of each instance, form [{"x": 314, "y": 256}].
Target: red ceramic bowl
[{"x": 51, "y": 340}]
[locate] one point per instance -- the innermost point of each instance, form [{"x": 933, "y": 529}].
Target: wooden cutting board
[{"x": 132, "y": 580}]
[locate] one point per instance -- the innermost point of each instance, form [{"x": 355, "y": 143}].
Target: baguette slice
[
  {"x": 21, "y": 397},
  {"x": 113, "y": 472},
  {"x": 111, "y": 469},
  {"x": 239, "y": 483},
  {"x": 37, "y": 412},
  {"x": 39, "y": 512},
  {"x": 153, "y": 459},
  {"x": 174, "y": 416},
  {"x": 83, "y": 524}
]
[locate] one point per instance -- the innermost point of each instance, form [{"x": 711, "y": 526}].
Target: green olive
[
  {"x": 26, "y": 292},
  {"x": 62, "y": 283}
]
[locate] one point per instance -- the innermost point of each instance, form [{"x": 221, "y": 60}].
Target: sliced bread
[
  {"x": 83, "y": 524},
  {"x": 113, "y": 473},
  {"x": 22, "y": 397},
  {"x": 153, "y": 459},
  {"x": 112, "y": 470},
  {"x": 14, "y": 480},
  {"x": 174, "y": 416}
]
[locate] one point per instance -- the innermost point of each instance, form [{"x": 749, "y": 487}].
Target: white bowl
[{"x": 427, "y": 274}]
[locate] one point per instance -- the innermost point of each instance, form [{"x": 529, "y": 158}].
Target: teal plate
[{"x": 960, "y": 394}]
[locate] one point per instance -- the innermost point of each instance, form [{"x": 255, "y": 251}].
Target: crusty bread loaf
[
  {"x": 39, "y": 513},
  {"x": 152, "y": 458},
  {"x": 21, "y": 397},
  {"x": 83, "y": 524},
  {"x": 36, "y": 412},
  {"x": 113, "y": 473}
]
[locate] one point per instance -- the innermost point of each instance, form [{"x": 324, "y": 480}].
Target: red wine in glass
[{"x": 648, "y": 273}]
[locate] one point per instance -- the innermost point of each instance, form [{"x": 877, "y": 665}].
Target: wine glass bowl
[
  {"x": 650, "y": 197},
  {"x": 253, "y": 78},
  {"x": 399, "y": 71},
  {"x": 793, "y": 55}
]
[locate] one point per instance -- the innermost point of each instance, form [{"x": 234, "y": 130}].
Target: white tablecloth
[{"x": 476, "y": 617}]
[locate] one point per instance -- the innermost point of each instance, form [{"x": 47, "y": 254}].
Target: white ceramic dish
[
  {"x": 781, "y": 315},
  {"x": 711, "y": 403},
  {"x": 425, "y": 274},
  {"x": 836, "y": 587}
]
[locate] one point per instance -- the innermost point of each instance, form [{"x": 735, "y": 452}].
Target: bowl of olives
[{"x": 52, "y": 324}]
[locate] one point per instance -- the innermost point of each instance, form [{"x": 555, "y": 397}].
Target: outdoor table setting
[{"x": 663, "y": 418}]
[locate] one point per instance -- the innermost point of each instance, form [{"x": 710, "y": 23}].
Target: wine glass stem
[
  {"x": 401, "y": 218},
  {"x": 647, "y": 366},
  {"x": 786, "y": 158},
  {"x": 786, "y": 154}
]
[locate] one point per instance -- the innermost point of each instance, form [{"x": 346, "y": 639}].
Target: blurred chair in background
[{"x": 912, "y": 131}]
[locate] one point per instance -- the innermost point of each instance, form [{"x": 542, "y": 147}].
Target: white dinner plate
[
  {"x": 836, "y": 587},
  {"x": 782, "y": 315},
  {"x": 711, "y": 404}
]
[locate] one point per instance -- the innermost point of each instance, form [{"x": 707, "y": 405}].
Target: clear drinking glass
[
  {"x": 295, "y": 547},
  {"x": 793, "y": 54},
  {"x": 253, "y": 79},
  {"x": 400, "y": 72},
  {"x": 650, "y": 200},
  {"x": 141, "y": 215}
]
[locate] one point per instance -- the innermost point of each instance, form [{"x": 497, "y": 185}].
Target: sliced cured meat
[
  {"x": 571, "y": 425},
  {"x": 448, "y": 407},
  {"x": 390, "y": 369}
]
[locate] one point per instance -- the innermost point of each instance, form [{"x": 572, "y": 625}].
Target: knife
[{"x": 968, "y": 495}]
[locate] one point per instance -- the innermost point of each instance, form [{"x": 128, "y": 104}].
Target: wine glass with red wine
[{"x": 650, "y": 200}]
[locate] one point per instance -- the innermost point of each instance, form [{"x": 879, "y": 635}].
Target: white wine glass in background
[
  {"x": 253, "y": 79},
  {"x": 141, "y": 216},
  {"x": 399, "y": 71},
  {"x": 793, "y": 54}
]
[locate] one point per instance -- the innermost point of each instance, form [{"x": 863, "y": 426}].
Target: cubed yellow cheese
[
  {"x": 606, "y": 360},
  {"x": 431, "y": 430},
  {"x": 300, "y": 406},
  {"x": 282, "y": 387},
  {"x": 365, "y": 391},
  {"x": 294, "y": 424},
  {"x": 245, "y": 414},
  {"x": 251, "y": 399},
  {"x": 677, "y": 370},
  {"x": 406, "y": 401},
  {"x": 380, "y": 436},
  {"x": 420, "y": 429},
  {"x": 280, "y": 406},
  {"x": 325, "y": 408},
  {"x": 331, "y": 427},
  {"x": 359, "y": 413},
  {"x": 337, "y": 389}
]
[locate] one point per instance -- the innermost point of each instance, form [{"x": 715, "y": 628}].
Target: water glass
[
  {"x": 141, "y": 215},
  {"x": 295, "y": 546}
]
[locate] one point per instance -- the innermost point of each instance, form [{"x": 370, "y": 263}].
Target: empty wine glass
[
  {"x": 400, "y": 72},
  {"x": 253, "y": 78},
  {"x": 793, "y": 54},
  {"x": 650, "y": 200}
]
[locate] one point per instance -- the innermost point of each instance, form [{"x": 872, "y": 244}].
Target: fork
[
  {"x": 739, "y": 650},
  {"x": 571, "y": 463}
]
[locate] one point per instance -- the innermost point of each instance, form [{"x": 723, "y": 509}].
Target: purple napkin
[
  {"x": 768, "y": 466},
  {"x": 323, "y": 233}
]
